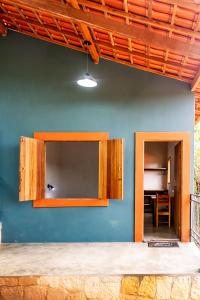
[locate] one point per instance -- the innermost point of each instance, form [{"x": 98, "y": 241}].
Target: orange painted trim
[
  {"x": 71, "y": 136},
  {"x": 75, "y": 137},
  {"x": 70, "y": 202},
  {"x": 139, "y": 188},
  {"x": 185, "y": 139}
]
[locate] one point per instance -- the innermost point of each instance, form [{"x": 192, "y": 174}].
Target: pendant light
[{"x": 87, "y": 80}]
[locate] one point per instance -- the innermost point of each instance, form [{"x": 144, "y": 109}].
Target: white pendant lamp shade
[{"x": 87, "y": 81}]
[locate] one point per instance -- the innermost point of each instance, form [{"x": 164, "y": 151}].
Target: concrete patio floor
[{"x": 97, "y": 258}]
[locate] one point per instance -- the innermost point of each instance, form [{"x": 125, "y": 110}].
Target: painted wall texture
[{"x": 38, "y": 92}]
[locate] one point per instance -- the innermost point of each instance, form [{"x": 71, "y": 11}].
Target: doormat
[{"x": 163, "y": 244}]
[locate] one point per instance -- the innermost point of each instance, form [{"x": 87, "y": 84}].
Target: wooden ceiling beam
[
  {"x": 48, "y": 39},
  {"x": 103, "y": 56},
  {"x": 109, "y": 25},
  {"x": 137, "y": 54},
  {"x": 66, "y": 34},
  {"x": 190, "y": 4},
  {"x": 196, "y": 81},
  {"x": 141, "y": 67},
  {"x": 87, "y": 35},
  {"x": 139, "y": 19},
  {"x": 17, "y": 20},
  {"x": 3, "y": 29},
  {"x": 137, "y": 66}
]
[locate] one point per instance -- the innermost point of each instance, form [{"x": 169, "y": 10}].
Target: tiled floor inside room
[{"x": 163, "y": 232}]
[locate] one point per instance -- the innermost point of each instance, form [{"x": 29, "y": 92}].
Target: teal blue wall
[{"x": 38, "y": 92}]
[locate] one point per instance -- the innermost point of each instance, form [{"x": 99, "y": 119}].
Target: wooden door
[{"x": 178, "y": 188}]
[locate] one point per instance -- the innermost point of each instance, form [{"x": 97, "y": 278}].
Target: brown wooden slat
[
  {"x": 30, "y": 169},
  {"x": 139, "y": 19},
  {"x": 3, "y": 29},
  {"x": 196, "y": 81},
  {"x": 49, "y": 40},
  {"x": 110, "y": 25},
  {"x": 190, "y": 4},
  {"x": 109, "y": 20},
  {"x": 87, "y": 35},
  {"x": 115, "y": 169},
  {"x": 144, "y": 68},
  {"x": 131, "y": 64},
  {"x": 197, "y": 110},
  {"x": 102, "y": 190},
  {"x": 37, "y": 25},
  {"x": 41, "y": 169},
  {"x": 138, "y": 54},
  {"x": 98, "y": 43}
]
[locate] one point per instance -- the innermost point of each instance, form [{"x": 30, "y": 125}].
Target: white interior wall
[
  {"x": 72, "y": 168},
  {"x": 155, "y": 156}
]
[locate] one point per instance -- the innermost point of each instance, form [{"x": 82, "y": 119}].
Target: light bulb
[{"x": 87, "y": 81}]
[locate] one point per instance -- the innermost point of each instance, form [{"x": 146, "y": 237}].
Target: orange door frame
[{"x": 140, "y": 138}]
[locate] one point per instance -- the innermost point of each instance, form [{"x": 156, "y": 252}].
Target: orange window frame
[
  {"x": 66, "y": 137},
  {"x": 140, "y": 139}
]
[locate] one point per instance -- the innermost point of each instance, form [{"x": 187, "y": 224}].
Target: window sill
[{"x": 74, "y": 202}]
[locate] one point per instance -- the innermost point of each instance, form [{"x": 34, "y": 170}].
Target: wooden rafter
[
  {"x": 64, "y": 33},
  {"x": 138, "y": 54},
  {"x": 98, "y": 21},
  {"x": 196, "y": 81},
  {"x": 197, "y": 107},
  {"x": 159, "y": 36},
  {"x": 137, "y": 18},
  {"x": 190, "y": 4},
  {"x": 116, "y": 48},
  {"x": 48, "y": 39},
  {"x": 97, "y": 43},
  {"x": 3, "y": 29},
  {"x": 86, "y": 35},
  {"x": 147, "y": 69},
  {"x": 20, "y": 23},
  {"x": 7, "y": 17}
]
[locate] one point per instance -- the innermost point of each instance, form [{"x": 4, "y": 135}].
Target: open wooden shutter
[
  {"x": 31, "y": 169},
  {"x": 115, "y": 169},
  {"x": 102, "y": 193}
]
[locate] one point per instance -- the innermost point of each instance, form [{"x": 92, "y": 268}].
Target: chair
[{"x": 163, "y": 208}]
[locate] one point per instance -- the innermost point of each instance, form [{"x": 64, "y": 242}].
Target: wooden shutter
[
  {"x": 102, "y": 193},
  {"x": 31, "y": 169},
  {"x": 115, "y": 169}
]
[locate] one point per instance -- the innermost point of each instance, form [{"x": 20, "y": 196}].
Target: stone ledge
[{"x": 128, "y": 287}]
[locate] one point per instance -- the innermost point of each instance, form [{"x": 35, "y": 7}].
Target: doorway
[
  {"x": 162, "y": 170},
  {"x": 162, "y": 190}
]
